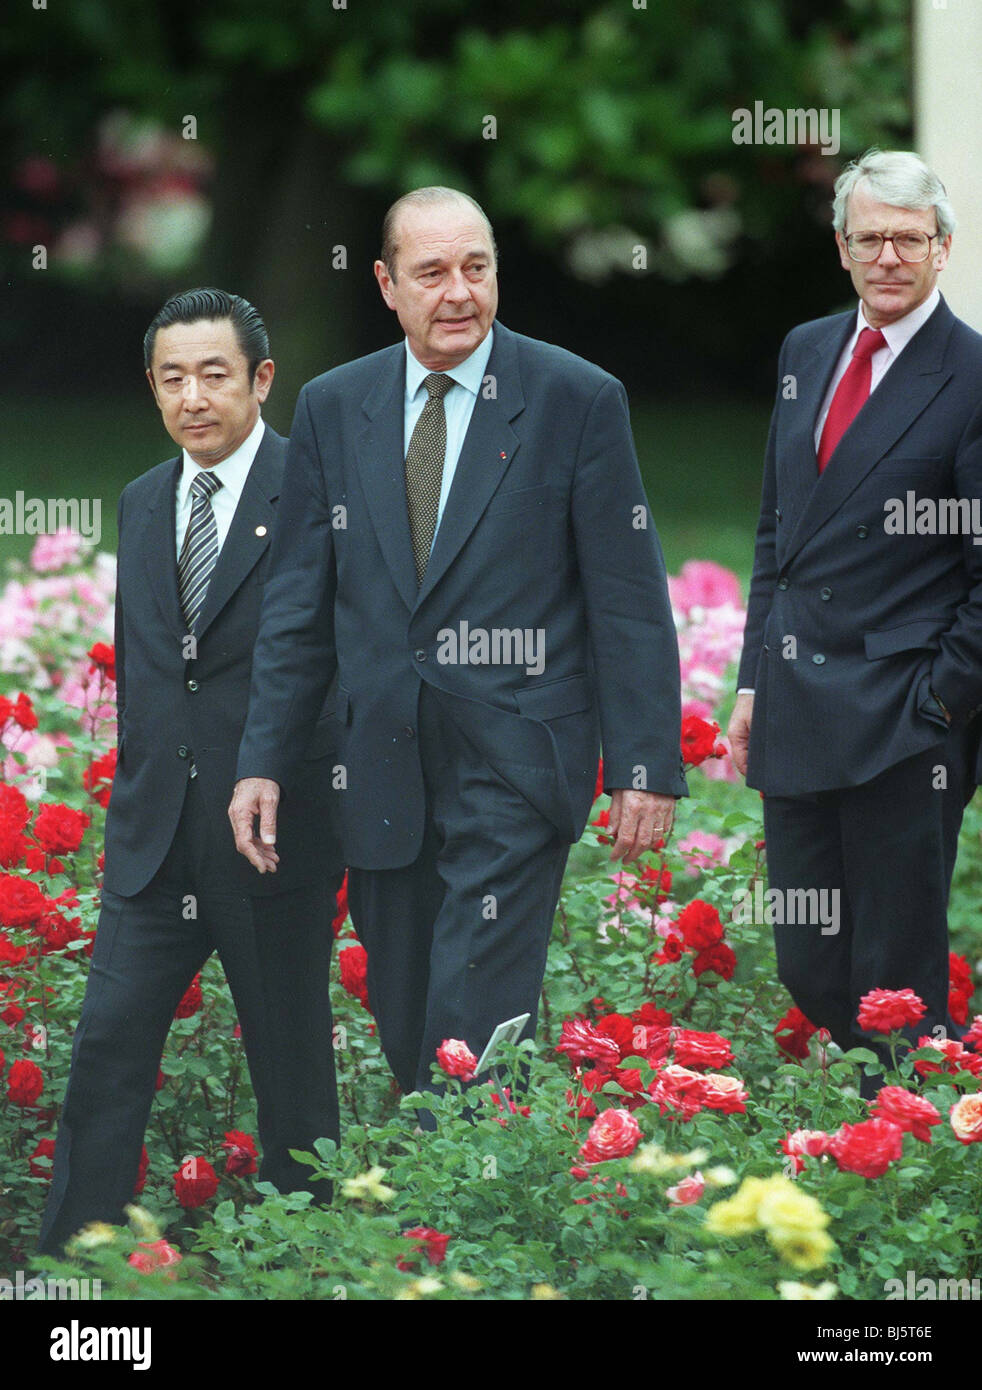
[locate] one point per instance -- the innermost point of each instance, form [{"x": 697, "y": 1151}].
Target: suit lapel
[
  {"x": 909, "y": 386},
  {"x": 381, "y": 465},
  {"x": 243, "y": 545},
  {"x": 489, "y": 446},
  {"x": 159, "y": 544}
]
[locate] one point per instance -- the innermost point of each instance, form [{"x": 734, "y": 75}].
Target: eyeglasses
[{"x": 909, "y": 246}]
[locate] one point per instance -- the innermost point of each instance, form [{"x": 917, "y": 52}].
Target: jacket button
[
  {"x": 777, "y": 513},
  {"x": 862, "y": 532},
  {"x": 826, "y": 594},
  {"x": 192, "y": 685},
  {"x": 182, "y": 752},
  {"x": 818, "y": 659},
  {"x": 783, "y": 584},
  {"x": 419, "y": 654},
  {"x": 409, "y": 731}
]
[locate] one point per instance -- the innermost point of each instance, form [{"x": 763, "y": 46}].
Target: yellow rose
[
  {"x": 736, "y": 1215},
  {"x": 786, "y": 1210},
  {"x": 802, "y": 1249},
  {"x": 791, "y": 1291}
]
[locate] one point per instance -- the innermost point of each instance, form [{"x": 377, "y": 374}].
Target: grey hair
[
  {"x": 898, "y": 177},
  {"x": 423, "y": 197}
]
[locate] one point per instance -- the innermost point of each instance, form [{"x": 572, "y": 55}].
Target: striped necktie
[
  {"x": 200, "y": 549},
  {"x": 424, "y": 469}
]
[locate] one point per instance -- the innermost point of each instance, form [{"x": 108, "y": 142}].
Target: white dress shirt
[
  {"x": 458, "y": 403},
  {"x": 233, "y": 472}
]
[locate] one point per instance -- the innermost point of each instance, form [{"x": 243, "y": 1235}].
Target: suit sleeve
[
  {"x": 765, "y": 560},
  {"x": 119, "y": 648},
  {"x": 629, "y": 616},
  {"x": 295, "y": 657},
  {"x": 956, "y": 674}
]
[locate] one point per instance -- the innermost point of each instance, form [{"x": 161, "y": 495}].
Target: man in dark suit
[
  {"x": 194, "y": 538},
  {"x": 861, "y": 674},
  {"x": 472, "y": 552}
]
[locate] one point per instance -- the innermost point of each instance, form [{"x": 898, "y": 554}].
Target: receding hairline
[{"x": 435, "y": 197}]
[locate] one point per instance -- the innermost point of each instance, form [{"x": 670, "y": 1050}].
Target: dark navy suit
[
  {"x": 849, "y": 630},
  {"x": 169, "y": 844},
  {"x": 466, "y": 782}
]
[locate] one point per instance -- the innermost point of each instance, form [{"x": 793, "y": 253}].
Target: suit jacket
[
  {"x": 876, "y": 620},
  {"x": 546, "y": 530},
  {"x": 173, "y": 712}
]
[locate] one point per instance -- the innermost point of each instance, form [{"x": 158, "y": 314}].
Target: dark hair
[
  {"x": 422, "y": 197},
  {"x": 194, "y": 305}
]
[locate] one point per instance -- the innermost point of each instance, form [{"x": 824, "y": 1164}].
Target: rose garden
[{"x": 685, "y": 1133}]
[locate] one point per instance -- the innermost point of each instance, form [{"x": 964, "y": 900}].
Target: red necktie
[{"x": 851, "y": 394}]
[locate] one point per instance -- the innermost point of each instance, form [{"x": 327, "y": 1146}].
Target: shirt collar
[
  {"x": 469, "y": 373},
  {"x": 899, "y": 333},
  {"x": 232, "y": 471}
]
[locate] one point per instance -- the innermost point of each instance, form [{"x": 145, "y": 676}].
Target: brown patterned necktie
[{"x": 424, "y": 469}]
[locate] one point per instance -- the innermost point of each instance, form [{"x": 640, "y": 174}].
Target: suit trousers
[
  {"x": 276, "y": 954},
  {"x": 888, "y": 848},
  {"x": 457, "y": 940}
]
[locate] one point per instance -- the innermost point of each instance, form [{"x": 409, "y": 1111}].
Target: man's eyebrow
[
  {"x": 216, "y": 361},
  {"x": 433, "y": 261}
]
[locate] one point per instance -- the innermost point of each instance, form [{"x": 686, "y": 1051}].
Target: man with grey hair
[
  {"x": 861, "y": 678},
  {"x": 467, "y": 542}
]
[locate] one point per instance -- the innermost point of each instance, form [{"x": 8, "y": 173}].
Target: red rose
[
  {"x": 46, "y": 1152},
  {"x": 353, "y": 965},
  {"x": 191, "y": 1000},
  {"x": 867, "y": 1148},
  {"x": 692, "y": 1049},
  {"x": 599, "y": 789},
  {"x": 602, "y": 822},
  {"x": 341, "y": 914},
  {"x": 59, "y": 830},
  {"x": 195, "y": 1182},
  {"x": 23, "y": 713},
  {"x": 21, "y": 901},
  {"x": 700, "y": 925},
  {"x": 14, "y": 808},
  {"x": 673, "y": 949},
  {"x": 956, "y": 1057},
  {"x": 652, "y": 885},
  {"x": 801, "y": 1143},
  {"x": 620, "y": 1030},
  {"x": 13, "y": 846},
  {"x": 456, "y": 1058},
  {"x": 908, "y": 1111},
  {"x": 973, "y": 1038},
  {"x": 582, "y": 1042},
  {"x": 426, "y": 1241},
  {"x": 149, "y": 1256},
  {"x": 886, "y": 1010},
  {"x": 651, "y": 1014},
  {"x": 792, "y": 1032},
  {"x": 97, "y": 779},
  {"x": 103, "y": 657},
  {"x": 9, "y": 953},
  {"x": 698, "y": 739},
  {"x": 613, "y": 1134},
  {"x": 241, "y": 1151},
  {"x": 960, "y": 987},
  {"x": 720, "y": 959},
  {"x": 141, "y": 1172},
  {"x": 25, "y": 1083}
]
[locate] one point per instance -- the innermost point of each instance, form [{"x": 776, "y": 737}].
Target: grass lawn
[{"x": 701, "y": 461}]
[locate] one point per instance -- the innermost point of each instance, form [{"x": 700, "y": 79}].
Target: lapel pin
[
  {"x": 260, "y": 530},
  {"x": 503, "y": 454}
]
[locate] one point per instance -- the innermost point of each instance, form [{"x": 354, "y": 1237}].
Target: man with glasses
[{"x": 861, "y": 677}]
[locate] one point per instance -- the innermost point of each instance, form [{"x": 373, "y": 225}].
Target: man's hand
[
  {"x": 256, "y": 796},
  {"x": 638, "y": 820},
  {"x": 738, "y": 731}
]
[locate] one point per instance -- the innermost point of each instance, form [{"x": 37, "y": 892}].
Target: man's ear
[
  {"x": 263, "y": 379},
  {"x": 385, "y": 283},
  {"x": 153, "y": 387},
  {"x": 844, "y": 260}
]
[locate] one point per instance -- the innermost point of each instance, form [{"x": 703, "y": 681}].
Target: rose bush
[{"x": 679, "y": 1127}]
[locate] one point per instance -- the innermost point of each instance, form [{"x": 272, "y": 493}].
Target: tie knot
[
  {"x": 437, "y": 385},
  {"x": 204, "y": 483},
  {"x": 869, "y": 341}
]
